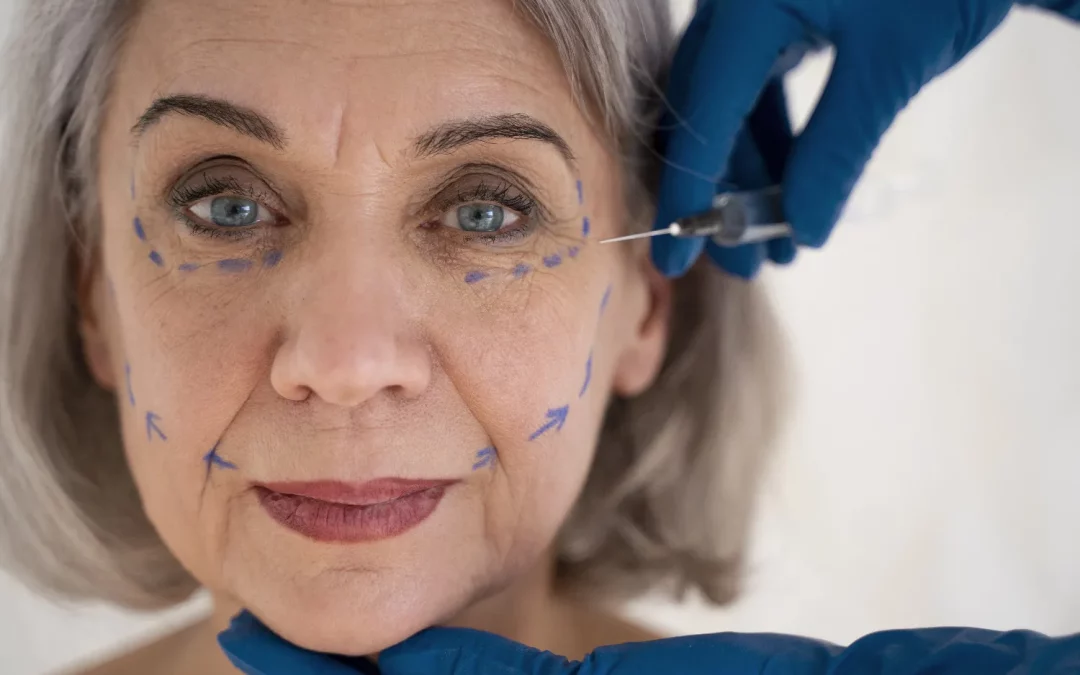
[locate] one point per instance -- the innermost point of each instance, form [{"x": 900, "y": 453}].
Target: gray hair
[{"x": 669, "y": 494}]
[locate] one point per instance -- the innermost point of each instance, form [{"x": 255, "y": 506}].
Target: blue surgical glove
[
  {"x": 729, "y": 126},
  {"x": 460, "y": 651}
]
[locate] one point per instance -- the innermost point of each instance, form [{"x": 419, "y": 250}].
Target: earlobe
[
  {"x": 91, "y": 303},
  {"x": 642, "y": 357}
]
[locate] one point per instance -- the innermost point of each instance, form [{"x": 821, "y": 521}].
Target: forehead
[{"x": 382, "y": 62}]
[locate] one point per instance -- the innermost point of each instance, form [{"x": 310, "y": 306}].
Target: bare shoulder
[{"x": 163, "y": 655}]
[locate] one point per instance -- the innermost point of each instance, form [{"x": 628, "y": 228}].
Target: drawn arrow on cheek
[
  {"x": 213, "y": 459},
  {"x": 556, "y": 418},
  {"x": 152, "y": 427}
]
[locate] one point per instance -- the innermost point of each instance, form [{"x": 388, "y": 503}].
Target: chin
[{"x": 361, "y": 616}]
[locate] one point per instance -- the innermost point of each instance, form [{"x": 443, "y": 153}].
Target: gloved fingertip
[
  {"x": 812, "y": 215},
  {"x": 742, "y": 262},
  {"x": 782, "y": 251},
  {"x": 464, "y": 650},
  {"x": 674, "y": 257},
  {"x": 244, "y": 625}
]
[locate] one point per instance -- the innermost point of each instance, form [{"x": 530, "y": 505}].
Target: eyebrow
[
  {"x": 443, "y": 139},
  {"x": 221, "y": 112},
  {"x": 450, "y": 136}
]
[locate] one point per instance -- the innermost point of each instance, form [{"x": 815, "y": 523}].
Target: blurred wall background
[{"x": 931, "y": 473}]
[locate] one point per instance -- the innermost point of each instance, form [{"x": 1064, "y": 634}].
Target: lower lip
[{"x": 349, "y": 523}]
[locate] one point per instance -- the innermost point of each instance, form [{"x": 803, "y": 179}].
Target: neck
[{"x": 527, "y": 611}]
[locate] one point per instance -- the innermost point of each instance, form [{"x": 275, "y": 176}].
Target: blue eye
[
  {"x": 229, "y": 212},
  {"x": 479, "y": 217}
]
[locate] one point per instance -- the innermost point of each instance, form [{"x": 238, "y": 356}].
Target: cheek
[
  {"x": 529, "y": 359},
  {"x": 190, "y": 358}
]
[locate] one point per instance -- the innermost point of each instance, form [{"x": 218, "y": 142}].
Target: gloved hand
[
  {"x": 461, "y": 651},
  {"x": 730, "y": 127}
]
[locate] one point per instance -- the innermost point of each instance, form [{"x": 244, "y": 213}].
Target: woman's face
[{"x": 351, "y": 302}]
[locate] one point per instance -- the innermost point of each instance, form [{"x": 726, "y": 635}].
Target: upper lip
[{"x": 371, "y": 492}]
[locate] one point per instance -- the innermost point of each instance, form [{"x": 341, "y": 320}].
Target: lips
[{"x": 332, "y": 511}]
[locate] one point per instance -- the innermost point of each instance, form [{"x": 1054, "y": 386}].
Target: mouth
[{"x": 333, "y": 511}]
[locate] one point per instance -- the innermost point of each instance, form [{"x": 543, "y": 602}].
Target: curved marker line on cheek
[
  {"x": 475, "y": 276},
  {"x": 156, "y": 258},
  {"x": 127, "y": 379},
  {"x": 588, "y": 376},
  {"x": 140, "y": 232},
  {"x": 188, "y": 267},
  {"x": 520, "y": 270}
]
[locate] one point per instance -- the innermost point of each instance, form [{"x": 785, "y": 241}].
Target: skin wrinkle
[{"x": 364, "y": 354}]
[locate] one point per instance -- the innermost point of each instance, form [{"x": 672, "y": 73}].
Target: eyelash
[
  {"x": 181, "y": 198},
  {"x": 503, "y": 194}
]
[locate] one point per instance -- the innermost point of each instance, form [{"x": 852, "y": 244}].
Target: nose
[{"x": 350, "y": 339}]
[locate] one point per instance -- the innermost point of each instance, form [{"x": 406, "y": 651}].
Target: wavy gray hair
[{"x": 668, "y": 498}]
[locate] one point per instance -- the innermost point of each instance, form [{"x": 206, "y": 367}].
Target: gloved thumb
[{"x": 464, "y": 651}]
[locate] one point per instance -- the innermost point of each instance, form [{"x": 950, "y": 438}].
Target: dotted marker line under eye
[
  {"x": 552, "y": 260},
  {"x": 234, "y": 265}
]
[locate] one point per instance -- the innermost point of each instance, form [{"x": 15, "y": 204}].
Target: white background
[{"x": 931, "y": 474}]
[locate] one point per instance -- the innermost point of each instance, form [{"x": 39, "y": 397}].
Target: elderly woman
[{"x": 303, "y": 304}]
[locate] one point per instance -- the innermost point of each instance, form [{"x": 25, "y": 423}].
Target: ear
[
  {"x": 91, "y": 301},
  {"x": 643, "y": 354}
]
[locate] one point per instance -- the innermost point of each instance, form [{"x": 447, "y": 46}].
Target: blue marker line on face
[
  {"x": 127, "y": 378},
  {"x": 573, "y": 251},
  {"x": 139, "y": 231},
  {"x": 188, "y": 267},
  {"x": 212, "y": 459},
  {"x": 520, "y": 270},
  {"x": 234, "y": 265},
  {"x": 588, "y": 376},
  {"x": 604, "y": 300},
  {"x": 152, "y": 427},
  {"x": 556, "y": 418},
  {"x": 474, "y": 276},
  {"x": 156, "y": 257},
  {"x": 272, "y": 258},
  {"x": 484, "y": 458},
  {"x": 552, "y": 260},
  {"x": 585, "y": 227},
  {"x": 580, "y": 194}
]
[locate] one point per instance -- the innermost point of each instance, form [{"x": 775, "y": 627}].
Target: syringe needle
[{"x": 642, "y": 235}]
